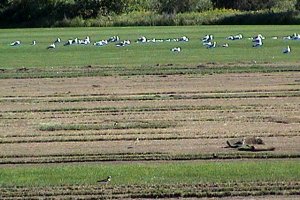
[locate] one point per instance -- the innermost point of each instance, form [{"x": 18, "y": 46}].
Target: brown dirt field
[
  {"x": 287, "y": 145},
  {"x": 200, "y": 113},
  {"x": 170, "y": 115}
]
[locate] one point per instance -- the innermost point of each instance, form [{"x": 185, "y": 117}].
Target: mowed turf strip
[
  {"x": 151, "y": 173},
  {"x": 193, "y": 52}
]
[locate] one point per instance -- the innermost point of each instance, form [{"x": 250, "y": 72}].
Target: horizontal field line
[
  {"x": 216, "y": 135},
  {"x": 198, "y": 190},
  {"x": 128, "y": 109},
  {"x": 227, "y": 95},
  {"x": 152, "y": 70},
  {"x": 82, "y": 158},
  {"x": 51, "y": 139},
  {"x": 150, "y": 93}
]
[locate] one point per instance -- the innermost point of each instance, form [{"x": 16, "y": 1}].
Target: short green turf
[
  {"x": 193, "y": 52},
  {"x": 151, "y": 173}
]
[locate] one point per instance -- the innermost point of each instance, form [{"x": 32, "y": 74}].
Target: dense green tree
[
  {"x": 170, "y": 6},
  {"x": 180, "y": 6},
  {"x": 93, "y": 8},
  {"x": 202, "y": 5},
  {"x": 3, "y": 3},
  {"x": 87, "y": 9},
  {"x": 284, "y": 5},
  {"x": 22, "y": 11},
  {"x": 138, "y": 5},
  {"x": 297, "y": 5},
  {"x": 35, "y": 13},
  {"x": 245, "y": 4},
  {"x": 115, "y": 6}
]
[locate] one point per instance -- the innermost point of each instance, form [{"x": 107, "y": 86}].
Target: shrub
[
  {"x": 262, "y": 17},
  {"x": 147, "y": 18}
]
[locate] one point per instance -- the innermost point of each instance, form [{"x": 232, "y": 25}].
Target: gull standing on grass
[
  {"x": 287, "y": 50},
  {"x": 211, "y": 45},
  {"x": 176, "y": 49},
  {"x": 225, "y": 45},
  {"x": 51, "y": 46},
  {"x": 207, "y": 38},
  {"x": 235, "y": 37},
  {"x": 101, "y": 43},
  {"x": 15, "y": 43},
  {"x": 58, "y": 40},
  {"x": 257, "y": 42},
  {"x": 123, "y": 43},
  {"x": 114, "y": 38}
]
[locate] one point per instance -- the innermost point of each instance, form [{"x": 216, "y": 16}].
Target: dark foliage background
[{"x": 47, "y": 13}]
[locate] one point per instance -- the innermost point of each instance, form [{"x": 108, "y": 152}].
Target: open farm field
[
  {"x": 147, "y": 118},
  {"x": 156, "y": 121}
]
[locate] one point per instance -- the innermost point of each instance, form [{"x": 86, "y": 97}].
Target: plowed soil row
[
  {"x": 153, "y": 191},
  {"x": 173, "y": 115},
  {"x": 177, "y": 149}
]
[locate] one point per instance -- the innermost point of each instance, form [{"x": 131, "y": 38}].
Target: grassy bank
[{"x": 146, "y": 173}]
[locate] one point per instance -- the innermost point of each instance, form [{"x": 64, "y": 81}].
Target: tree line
[{"x": 47, "y": 12}]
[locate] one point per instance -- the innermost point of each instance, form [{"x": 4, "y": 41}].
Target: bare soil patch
[{"x": 174, "y": 114}]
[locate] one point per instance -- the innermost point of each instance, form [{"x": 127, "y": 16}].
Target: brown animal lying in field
[
  {"x": 255, "y": 148},
  {"x": 249, "y": 144},
  {"x": 235, "y": 143}
]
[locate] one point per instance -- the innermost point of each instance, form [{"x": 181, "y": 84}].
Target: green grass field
[
  {"x": 147, "y": 173},
  {"x": 144, "y": 54}
]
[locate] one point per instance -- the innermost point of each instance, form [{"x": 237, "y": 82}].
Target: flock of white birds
[
  {"x": 207, "y": 41},
  {"x": 257, "y": 41}
]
